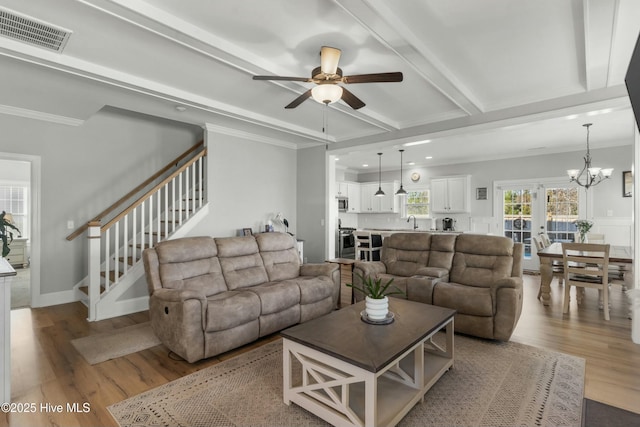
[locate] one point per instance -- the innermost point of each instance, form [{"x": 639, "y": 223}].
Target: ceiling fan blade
[
  {"x": 329, "y": 57},
  {"x": 374, "y": 78},
  {"x": 292, "y": 79},
  {"x": 352, "y": 100},
  {"x": 299, "y": 100}
]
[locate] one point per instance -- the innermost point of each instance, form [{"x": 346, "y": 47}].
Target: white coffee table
[{"x": 352, "y": 373}]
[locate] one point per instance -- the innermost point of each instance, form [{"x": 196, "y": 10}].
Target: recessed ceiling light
[
  {"x": 429, "y": 157},
  {"x": 337, "y": 158},
  {"x": 411, "y": 163},
  {"x": 365, "y": 165},
  {"x": 181, "y": 108},
  {"x": 409, "y": 144}
]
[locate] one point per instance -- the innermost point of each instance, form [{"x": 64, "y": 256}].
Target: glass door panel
[{"x": 562, "y": 207}]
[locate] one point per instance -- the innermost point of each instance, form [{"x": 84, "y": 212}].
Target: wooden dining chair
[
  {"x": 586, "y": 265},
  {"x": 366, "y": 245},
  {"x": 545, "y": 239},
  {"x": 595, "y": 238}
]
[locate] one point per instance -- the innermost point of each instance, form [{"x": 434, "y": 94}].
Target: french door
[{"x": 530, "y": 208}]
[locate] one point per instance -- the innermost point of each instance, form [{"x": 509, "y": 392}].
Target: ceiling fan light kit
[{"x": 327, "y": 76}]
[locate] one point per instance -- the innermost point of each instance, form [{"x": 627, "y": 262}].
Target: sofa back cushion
[
  {"x": 279, "y": 254},
  {"x": 241, "y": 263},
  {"x": 481, "y": 260},
  {"x": 404, "y": 253},
  {"x": 442, "y": 249},
  {"x": 190, "y": 263}
]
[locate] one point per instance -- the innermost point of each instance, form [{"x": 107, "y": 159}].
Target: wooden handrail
[
  {"x": 155, "y": 189},
  {"x": 131, "y": 193}
]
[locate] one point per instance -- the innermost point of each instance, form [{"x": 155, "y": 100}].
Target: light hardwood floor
[{"x": 46, "y": 368}]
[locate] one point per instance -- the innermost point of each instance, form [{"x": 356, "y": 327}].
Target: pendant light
[
  {"x": 593, "y": 175},
  {"x": 379, "y": 193},
  {"x": 401, "y": 191}
]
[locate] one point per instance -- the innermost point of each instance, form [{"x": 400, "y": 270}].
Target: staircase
[{"x": 117, "y": 236}]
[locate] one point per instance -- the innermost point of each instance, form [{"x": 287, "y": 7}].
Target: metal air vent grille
[{"x": 32, "y": 31}]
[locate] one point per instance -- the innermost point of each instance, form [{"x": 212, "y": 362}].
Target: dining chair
[
  {"x": 545, "y": 239},
  {"x": 538, "y": 242},
  {"x": 366, "y": 245},
  {"x": 595, "y": 238},
  {"x": 586, "y": 265}
]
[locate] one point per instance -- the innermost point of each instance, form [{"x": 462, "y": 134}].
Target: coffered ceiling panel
[{"x": 473, "y": 69}]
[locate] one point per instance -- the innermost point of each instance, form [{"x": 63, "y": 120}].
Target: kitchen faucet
[{"x": 415, "y": 226}]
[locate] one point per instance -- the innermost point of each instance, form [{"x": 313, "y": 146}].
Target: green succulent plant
[
  {"x": 6, "y": 234},
  {"x": 373, "y": 288}
]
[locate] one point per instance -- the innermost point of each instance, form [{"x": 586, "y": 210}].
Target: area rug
[
  {"x": 491, "y": 384},
  {"x": 120, "y": 342}
]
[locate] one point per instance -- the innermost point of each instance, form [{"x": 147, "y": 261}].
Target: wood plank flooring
[{"x": 46, "y": 368}]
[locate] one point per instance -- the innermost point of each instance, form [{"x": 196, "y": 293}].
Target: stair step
[
  {"x": 129, "y": 260},
  {"x": 85, "y": 289},
  {"x": 112, "y": 275}
]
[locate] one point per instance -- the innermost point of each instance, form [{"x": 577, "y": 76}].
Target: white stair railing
[{"x": 115, "y": 247}]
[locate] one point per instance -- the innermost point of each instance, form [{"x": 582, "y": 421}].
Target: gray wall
[
  {"x": 312, "y": 202},
  {"x": 84, "y": 170},
  {"x": 249, "y": 183}
]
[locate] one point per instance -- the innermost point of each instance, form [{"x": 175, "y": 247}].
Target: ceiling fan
[{"x": 327, "y": 76}]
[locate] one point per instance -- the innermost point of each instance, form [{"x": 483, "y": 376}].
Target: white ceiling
[{"x": 482, "y": 78}]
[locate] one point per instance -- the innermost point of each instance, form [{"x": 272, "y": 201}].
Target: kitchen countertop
[{"x": 408, "y": 230}]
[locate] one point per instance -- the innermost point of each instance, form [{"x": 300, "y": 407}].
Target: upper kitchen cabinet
[
  {"x": 450, "y": 194},
  {"x": 350, "y": 190},
  {"x": 370, "y": 203}
]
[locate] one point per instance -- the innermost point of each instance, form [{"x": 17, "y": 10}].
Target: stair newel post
[{"x": 94, "y": 235}]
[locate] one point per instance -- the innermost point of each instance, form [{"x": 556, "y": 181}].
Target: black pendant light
[
  {"x": 401, "y": 191},
  {"x": 379, "y": 193}
]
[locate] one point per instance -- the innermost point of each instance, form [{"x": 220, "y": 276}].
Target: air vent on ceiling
[{"x": 32, "y": 31}]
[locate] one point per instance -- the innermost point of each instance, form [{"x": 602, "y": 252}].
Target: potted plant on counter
[{"x": 376, "y": 296}]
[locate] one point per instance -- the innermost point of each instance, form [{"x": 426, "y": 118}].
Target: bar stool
[{"x": 366, "y": 245}]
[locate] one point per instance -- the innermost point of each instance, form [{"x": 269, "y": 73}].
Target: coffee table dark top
[{"x": 344, "y": 335}]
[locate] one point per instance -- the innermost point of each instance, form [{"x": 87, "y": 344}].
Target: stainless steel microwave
[{"x": 343, "y": 204}]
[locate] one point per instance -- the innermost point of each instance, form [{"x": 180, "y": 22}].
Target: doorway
[
  {"x": 532, "y": 207},
  {"x": 19, "y": 196}
]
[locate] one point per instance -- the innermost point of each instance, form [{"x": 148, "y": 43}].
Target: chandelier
[{"x": 593, "y": 175}]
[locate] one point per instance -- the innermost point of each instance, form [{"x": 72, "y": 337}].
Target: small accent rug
[
  {"x": 491, "y": 384},
  {"x": 120, "y": 342}
]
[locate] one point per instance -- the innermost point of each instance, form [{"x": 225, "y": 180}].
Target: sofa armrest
[
  {"x": 178, "y": 295},
  {"x": 367, "y": 268},
  {"x": 319, "y": 269},
  {"x": 508, "y": 282}
]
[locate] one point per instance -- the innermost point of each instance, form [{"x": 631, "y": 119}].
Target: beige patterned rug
[{"x": 491, "y": 384}]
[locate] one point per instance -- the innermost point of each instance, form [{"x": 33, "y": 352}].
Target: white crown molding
[
  {"x": 223, "y": 130},
  {"x": 39, "y": 115}
]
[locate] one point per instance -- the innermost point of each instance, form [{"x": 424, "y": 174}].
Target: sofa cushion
[
  {"x": 442, "y": 250},
  {"x": 399, "y": 282},
  {"x": 241, "y": 262},
  {"x": 276, "y": 296},
  {"x": 420, "y": 289},
  {"x": 432, "y": 272},
  {"x": 230, "y": 309},
  {"x": 481, "y": 260},
  {"x": 190, "y": 263},
  {"x": 404, "y": 253},
  {"x": 279, "y": 253},
  {"x": 464, "y": 299}
]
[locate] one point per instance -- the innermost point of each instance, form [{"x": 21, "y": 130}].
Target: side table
[{"x": 348, "y": 262}]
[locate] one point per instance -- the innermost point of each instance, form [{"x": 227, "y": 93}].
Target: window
[
  {"x": 416, "y": 203},
  {"x": 13, "y": 200}
]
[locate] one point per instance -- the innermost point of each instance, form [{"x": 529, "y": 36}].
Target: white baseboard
[{"x": 54, "y": 298}]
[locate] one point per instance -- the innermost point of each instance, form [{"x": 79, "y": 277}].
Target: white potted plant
[{"x": 376, "y": 296}]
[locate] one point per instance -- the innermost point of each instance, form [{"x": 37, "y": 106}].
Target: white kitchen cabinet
[
  {"x": 450, "y": 194},
  {"x": 370, "y": 203},
  {"x": 353, "y": 189},
  {"x": 342, "y": 189}
]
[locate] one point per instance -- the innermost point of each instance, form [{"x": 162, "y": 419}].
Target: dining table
[{"x": 620, "y": 256}]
